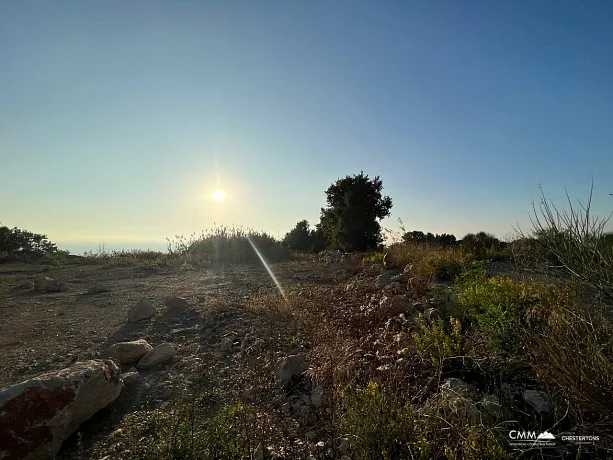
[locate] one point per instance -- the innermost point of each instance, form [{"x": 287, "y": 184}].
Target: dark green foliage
[
  {"x": 355, "y": 204},
  {"x": 484, "y": 246},
  {"x": 301, "y": 238},
  {"x": 18, "y": 244},
  {"x": 444, "y": 240}
]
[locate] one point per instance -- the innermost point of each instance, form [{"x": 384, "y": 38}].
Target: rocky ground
[
  {"x": 222, "y": 330},
  {"x": 226, "y": 334}
]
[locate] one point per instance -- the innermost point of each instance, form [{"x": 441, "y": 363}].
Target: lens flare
[{"x": 267, "y": 267}]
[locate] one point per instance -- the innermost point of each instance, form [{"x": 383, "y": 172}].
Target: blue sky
[{"x": 118, "y": 119}]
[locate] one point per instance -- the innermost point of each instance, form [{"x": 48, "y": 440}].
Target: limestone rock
[
  {"x": 129, "y": 352},
  {"x": 38, "y": 415},
  {"x": 142, "y": 310},
  {"x": 159, "y": 355}
]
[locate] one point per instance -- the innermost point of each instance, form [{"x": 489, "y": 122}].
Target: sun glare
[{"x": 219, "y": 195}]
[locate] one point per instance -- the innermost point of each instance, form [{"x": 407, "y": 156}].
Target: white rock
[
  {"x": 142, "y": 310},
  {"x": 38, "y": 415},
  {"x": 129, "y": 352},
  {"x": 159, "y": 355}
]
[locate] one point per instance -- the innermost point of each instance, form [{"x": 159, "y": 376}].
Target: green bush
[
  {"x": 498, "y": 306},
  {"x": 435, "y": 342},
  {"x": 194, "y": 432},
  {"x": 373, "y": 259}
]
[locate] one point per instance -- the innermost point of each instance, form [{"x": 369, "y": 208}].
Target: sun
[{"x": 219, "y": 195}]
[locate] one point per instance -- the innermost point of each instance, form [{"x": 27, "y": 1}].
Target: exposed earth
[{"x": 42, "y": 332}]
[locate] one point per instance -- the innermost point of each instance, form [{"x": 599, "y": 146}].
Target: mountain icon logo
[{"x": 545, "y": 435}]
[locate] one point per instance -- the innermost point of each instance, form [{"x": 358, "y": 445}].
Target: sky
[{"x": 119, "y": 119}]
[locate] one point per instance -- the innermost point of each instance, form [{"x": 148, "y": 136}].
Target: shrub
[
  {"x": 375, "y": 423},
  {"x": 228, "y": 244},
  {"x": 434, "y": 342},
  {"x": 194, "y": 431},
  {"x": 498, "y": 306},
  {"x": 373, "y": 259},
  {"x": 431, "y": 262}
]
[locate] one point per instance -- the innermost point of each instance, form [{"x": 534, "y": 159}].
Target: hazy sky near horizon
[{"x": 119, "y": 119}]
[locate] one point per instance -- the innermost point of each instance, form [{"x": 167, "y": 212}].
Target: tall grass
[
  {"x": 219, "y": 244},
  {"x": 227, "y": 244},
  {"x": 577, "y": 241}
]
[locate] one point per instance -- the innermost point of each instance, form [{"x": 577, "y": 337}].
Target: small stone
[
  {"x": 142, "y": 310},
  {"x": 320, "y": 445},
  {"x": 160, "y": 354},
  {"x": 130, "y": 378},
  {"x": 98, "y": 289},
  {"x": 176, "y": 302},
  {"x": 129, "y": 352},
  {"x": 343, "y": 446},
  {"x": 46, "y": 284},
  {"x": 26, "y": 285}
]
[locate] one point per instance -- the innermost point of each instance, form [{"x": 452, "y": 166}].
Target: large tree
[{"x": 355, "y": 205}]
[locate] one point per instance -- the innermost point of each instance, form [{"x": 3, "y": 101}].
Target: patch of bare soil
[{"x": 49, "y": 331}]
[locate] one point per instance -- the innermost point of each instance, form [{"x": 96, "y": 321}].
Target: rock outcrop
[{"x": 38, "y": 415}]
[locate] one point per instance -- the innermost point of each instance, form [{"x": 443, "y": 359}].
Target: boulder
[
  {"x": 129, "y": 352},
  {"x": 290, "y": 368},
  {"x": 46, "y": 284},
  {"x": 142, "y": 310},
  {"x": 159, "y": 355},
  {"x": 38, "y": 415},
  {"x": 176, "y": 302}
]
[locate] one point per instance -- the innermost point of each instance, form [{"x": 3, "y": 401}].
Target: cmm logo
[{"x": 530, "y": 436}]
